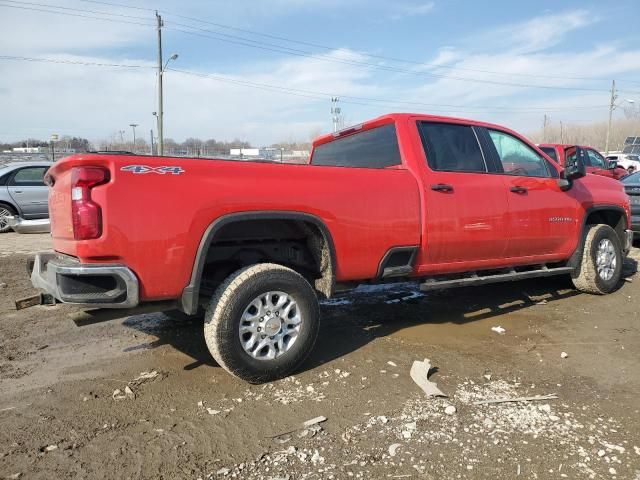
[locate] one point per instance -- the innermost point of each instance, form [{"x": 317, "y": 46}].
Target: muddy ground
[{"x": 187, "y": 418}]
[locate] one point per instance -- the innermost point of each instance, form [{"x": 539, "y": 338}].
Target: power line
[
  {"x": 316, "y": 95},
  {"x": 76, "y": 9},
  {"x": 369, "y": 54},
  {"x": 366, "y": 101},
  {"x": 73, "y": 62},
  {"x": 69, "y": 14},
  {"x": 302, "y": 53}
]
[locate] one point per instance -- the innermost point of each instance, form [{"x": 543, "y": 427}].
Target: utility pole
[
  {"x": 133, "y": 126},
  {"x": 151, "y": 136},
  {"x": 561, "y": 133},
  {"x": 121, "y": 132},
  {"x": 612, "y": 105},
  {"x": 160, "y": 110},
  {"x": 544, "y": 128},
  {"x": 335, "y": 114}
]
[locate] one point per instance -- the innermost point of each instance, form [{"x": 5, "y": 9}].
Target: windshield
[{"x": 633, "y": 178}]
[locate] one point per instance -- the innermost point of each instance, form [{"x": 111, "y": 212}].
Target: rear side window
[
  {"x": 551, "y": 152},
  {"x": 452, "y": 148},
  {"x": 374, "y": 148},
  {"x": 29, "y": 177}
]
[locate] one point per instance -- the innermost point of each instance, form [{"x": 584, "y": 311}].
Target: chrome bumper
[
  {"x": 20, "y": 225},
  {"x": 92, "y": 285}
]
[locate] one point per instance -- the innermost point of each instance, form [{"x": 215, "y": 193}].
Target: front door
[
  {"x": 465, "y": 207},
  {"x": 543, "y": 219},
  {"x": 28, "y": 190}
]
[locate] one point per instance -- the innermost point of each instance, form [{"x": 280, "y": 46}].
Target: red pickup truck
[
  {"x": 444, "y": 201},
  {"x": 594, "y": 162}
]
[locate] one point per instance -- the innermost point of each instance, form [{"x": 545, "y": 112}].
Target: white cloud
[
  {"x": 402, "y": 10},
  {"x": 39, "y": 99},
  {"x": 536, "y": 34}
]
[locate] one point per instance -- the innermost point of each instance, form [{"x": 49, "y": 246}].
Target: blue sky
[{"x": 454, "y": 57}]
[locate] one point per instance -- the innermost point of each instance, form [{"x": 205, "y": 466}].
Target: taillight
[{"x": 87, "y": 215}]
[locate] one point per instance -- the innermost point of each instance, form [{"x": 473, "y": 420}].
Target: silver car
[{"x": 23, "y": 192}]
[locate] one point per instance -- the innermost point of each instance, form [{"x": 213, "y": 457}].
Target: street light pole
[
  {"x": 133, "y": 126},
  {"x": 612, "y": 107},
  {"x": 160, "y": 131}
]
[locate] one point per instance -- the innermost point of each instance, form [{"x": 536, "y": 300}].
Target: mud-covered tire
[
  {"x": 230, "y": 303},
  {"x": 586, "y": 276},
  {"x": 4, "y": 211}
]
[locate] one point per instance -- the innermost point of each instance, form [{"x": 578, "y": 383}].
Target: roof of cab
[{"x": 396, "y": 117}]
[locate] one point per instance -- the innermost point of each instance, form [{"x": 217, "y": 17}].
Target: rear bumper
[
  {"x": 21, "y": 225},
  {"x": 93, "y": 285}
]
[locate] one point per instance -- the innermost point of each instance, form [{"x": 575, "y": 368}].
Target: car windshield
[
  {"x": 635, "y": 158},
  {"x": 633, "y": 178}
]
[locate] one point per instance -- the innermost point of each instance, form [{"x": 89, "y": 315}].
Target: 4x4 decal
[{"x": 146, "y": 169}]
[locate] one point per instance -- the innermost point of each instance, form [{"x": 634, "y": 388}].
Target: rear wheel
[
  {"x": 262, "y": 322},
  {"x": 601, "y": 266},
  {"x": 5, "y": 211}
]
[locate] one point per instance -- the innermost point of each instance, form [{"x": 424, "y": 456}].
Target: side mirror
[
  {"x": 574, "y": 165},
  {"x": 612, "y": 165}
]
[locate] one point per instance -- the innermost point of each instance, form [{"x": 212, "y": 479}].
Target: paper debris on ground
[
  {"x": 314, "y": 421},
  {"x": 420, "y": 374},
  {"x": 121, "y": 395},
  {"x": 499, "y": 330},
  {"x": 309, "y": 427},
  {"x": 393, "y": 449},
  {"x": 145, "y": 377},
  {"x": 564, "y": 355},
  {"x": 551, "y": 396}
]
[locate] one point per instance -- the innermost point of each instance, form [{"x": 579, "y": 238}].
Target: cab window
[
  {"x": 451, "y": 147},
  {"x": 373, "y": 148},
  {"x": 516, "y": 157},
  {"x": 595, "y": 159}
]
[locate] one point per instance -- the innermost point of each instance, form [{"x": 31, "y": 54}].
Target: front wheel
[
  {"x": 600, "y": 268},
  {"x": 262, "y": 322}
]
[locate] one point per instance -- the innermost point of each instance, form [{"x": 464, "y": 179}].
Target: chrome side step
[{"x": 478, "y": 278}]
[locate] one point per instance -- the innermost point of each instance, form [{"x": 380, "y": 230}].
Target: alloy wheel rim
[
  {"x": 4, "y": 213},
  {"x": 606, "y": 259},
  {"x": 270, "y": 325}
]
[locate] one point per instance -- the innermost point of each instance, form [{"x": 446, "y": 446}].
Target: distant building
[
  {"x": 30, "y": 149},
  {"x": 245, "y": 152}
]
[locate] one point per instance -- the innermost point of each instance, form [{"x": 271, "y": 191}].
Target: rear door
[
  {"x": 29, "y": 192},
  {"x": 465, "y": 210},
  {"x": 543, "y": 219}
]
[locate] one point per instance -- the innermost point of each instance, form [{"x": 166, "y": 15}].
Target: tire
[
  {"x": 242, "y": 300},
  {"x": 5, "y": 210},
  {"x": 599, "y": 240}
]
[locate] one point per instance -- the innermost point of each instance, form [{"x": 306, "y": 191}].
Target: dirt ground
[{"x": 187, "y": 418}]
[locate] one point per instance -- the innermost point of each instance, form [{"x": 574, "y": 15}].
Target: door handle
[
  {"x": 18, "y": 191},
  {"x": 442, "y": 187},
  {"x": 518, "y": 189}
]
